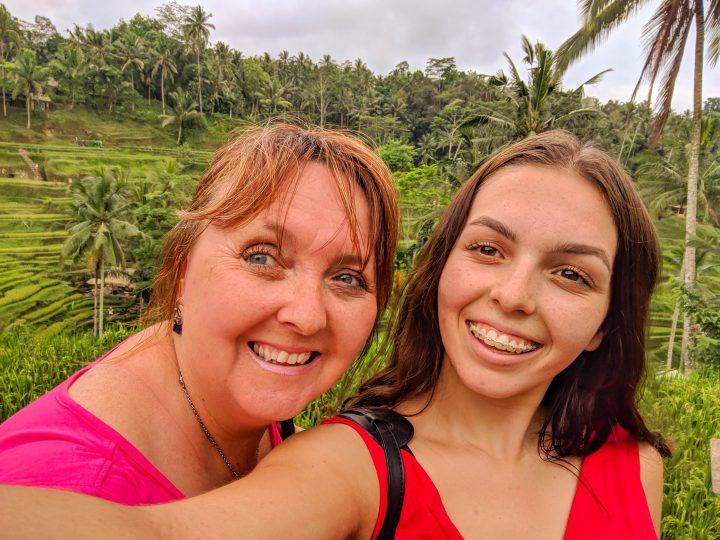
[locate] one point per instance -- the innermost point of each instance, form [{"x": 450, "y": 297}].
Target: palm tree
[
  {"x": 10, "y": 37},
  {"x": 273, "y": 96},
  {"x": 131, "y": 55},
  {"x": 71, "y": 68},
  {"x": 101, "y": 228},
  {"x": 666, "y": 34},
  {"x": 196, "y": 30},
  {"x": 184, "y": 109},
  {"x": 531, "y": 100},
  {"x": 29, "y": 78},
  {"x": 165, "y": 65},
  {"x": 661, "y": 175}
]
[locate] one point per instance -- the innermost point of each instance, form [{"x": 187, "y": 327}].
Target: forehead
[
  {"x": 308, "y": 211},
  {"x": 546, "y": 204}
]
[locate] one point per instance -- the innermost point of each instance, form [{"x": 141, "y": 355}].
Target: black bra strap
[
  {"x": 392, "y": 432},
  {"x": 287, "y": 428}
]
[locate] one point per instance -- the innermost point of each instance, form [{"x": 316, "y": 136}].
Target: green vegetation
[{"x": 125, "y": 120}]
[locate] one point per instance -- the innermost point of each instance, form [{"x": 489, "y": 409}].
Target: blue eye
[
  {"x": 260, "y": 258},
  {"x": 352, "y": 280}
]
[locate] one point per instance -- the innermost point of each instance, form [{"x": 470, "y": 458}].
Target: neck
[
  {"x": 239, "y": 441},
  {"x": 504, "y": 428}
]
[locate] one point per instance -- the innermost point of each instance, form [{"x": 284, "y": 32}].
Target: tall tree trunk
[
  {"x": 95, "y": 301},
  {"x": 692, "y": 187},
  {"x": 162, "y": 89},
  {"x": 199, "y": 78},
  {"x": 101, "y": 310},
  {"x": 673, "y": 325},
  {"x": 132, "y": 86},
  {"x": 3, "y": 93},
  {"x": 179, "y": 132},
  {"x": 27, "y": 106},
  {"x": 673, "y": 330}
]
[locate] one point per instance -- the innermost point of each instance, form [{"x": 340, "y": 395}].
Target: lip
[
  {"x": 495, "y": 357},
  {"x": 278, "y": 369},
  {"x": 502, "y": 330}
]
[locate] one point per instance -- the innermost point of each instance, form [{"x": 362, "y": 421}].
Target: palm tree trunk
[
  {"x": 3, "y": 93},
  {"x": 162, "y": 89},
  {"x": 95, "y": 301},
  {"x": 179, "y": 133},
  {"x": 693, "y": 174},
  {"x": 27, "y": 106},
  {"x": 673, "y": 325},
  {"x": 132, "y": 86},
  {"x": 673, "y": 330},
  {"x": 199, "y": 78},
  {"x": 102, "y": 297}
]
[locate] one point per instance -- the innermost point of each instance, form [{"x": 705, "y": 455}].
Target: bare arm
[
  {"x": 318, "y": 484},
  {"x": 651, "y": 476}
]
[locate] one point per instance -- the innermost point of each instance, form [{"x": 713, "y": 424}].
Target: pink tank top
[
  {"x": 609, "y": 502},
  {"x": 54, "y": 442}
]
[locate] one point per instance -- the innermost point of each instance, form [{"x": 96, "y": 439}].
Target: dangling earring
[{"x": 177, "y": 320}]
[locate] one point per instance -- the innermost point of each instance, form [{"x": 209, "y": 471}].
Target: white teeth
[
  {"x": 502, "y": 342},
  {"x": 277, "y": 356}
]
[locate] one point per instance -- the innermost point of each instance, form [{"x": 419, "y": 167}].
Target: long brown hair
[
  {"x": 598, "y": 390},
  {"x": 261, "y": 164}
]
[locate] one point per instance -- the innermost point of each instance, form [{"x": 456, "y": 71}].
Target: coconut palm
[
  {"x": 196, "y": 30},
  {"x": 183, "y": 110},
  {"x": 530, "y": 100},
  {"x": 29, "y": 78},
  {"x": 164, "y": 63},
  {"x": 10, "y": 37},
  {"x": 666, "y": 35},
  {"x": 661, "y": 176},
  {"x": 130, "y": 53},
  {"x": 100, "y": 230},
  {"x": 70, "y": 66}
]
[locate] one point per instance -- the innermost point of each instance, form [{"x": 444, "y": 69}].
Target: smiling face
[
  {"x": 269, "y": 326},
  {"x": 527, "y": 285}
]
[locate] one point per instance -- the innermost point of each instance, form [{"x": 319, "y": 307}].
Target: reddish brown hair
[
  {"x": 260, "y": 165},
  {"x": 599, "y": 388}
]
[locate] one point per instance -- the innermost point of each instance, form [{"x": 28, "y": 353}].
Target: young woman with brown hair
[{"x": 518, "y": 354}]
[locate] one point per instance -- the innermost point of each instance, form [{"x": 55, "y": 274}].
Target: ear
[
  {"x": 595, "y": 341},
  {"x": 181, "y": 282}
]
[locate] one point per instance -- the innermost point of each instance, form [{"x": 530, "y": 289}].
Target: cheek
[{"x": 353, "y": 325}]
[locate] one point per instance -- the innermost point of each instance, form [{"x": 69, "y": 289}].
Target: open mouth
[
  {"x": 501, "y": 342},
  {"x": 281, "y": 357}
]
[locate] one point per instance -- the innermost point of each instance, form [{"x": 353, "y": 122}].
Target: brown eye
[{"x": 574, "y": 276}]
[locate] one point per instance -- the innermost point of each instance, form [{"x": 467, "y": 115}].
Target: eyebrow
[
  {"x": 348, "y": 259},
  {"x": 495, "y": 225},
  {"x": 565, "y": 247}
]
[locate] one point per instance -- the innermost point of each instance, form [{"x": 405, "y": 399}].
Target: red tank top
[{"x": 609, "y": 502}]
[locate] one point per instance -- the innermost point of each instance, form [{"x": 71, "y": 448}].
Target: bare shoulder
[
  {"x": 651, "y": 476},
  {"x": 335, "y": 452}
]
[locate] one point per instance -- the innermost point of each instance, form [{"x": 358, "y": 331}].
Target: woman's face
[
  {"x": 527, "y": 284},
  {"x": 267, "y": 328}
]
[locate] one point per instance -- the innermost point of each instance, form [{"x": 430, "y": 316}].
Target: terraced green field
[{"x": 34, "y": 287}]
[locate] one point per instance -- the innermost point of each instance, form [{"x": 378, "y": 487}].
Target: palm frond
[{"x": 600, "y": 18}]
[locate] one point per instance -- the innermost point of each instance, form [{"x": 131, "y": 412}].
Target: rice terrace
[{"x": 105, "y": 132}]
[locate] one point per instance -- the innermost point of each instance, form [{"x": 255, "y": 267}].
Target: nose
[
  {"x": 304, "y": 310},
  {"x": 514, "y": 289}
]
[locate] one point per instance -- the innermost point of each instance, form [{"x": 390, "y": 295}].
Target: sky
[{"x": 384, "y": 33}]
